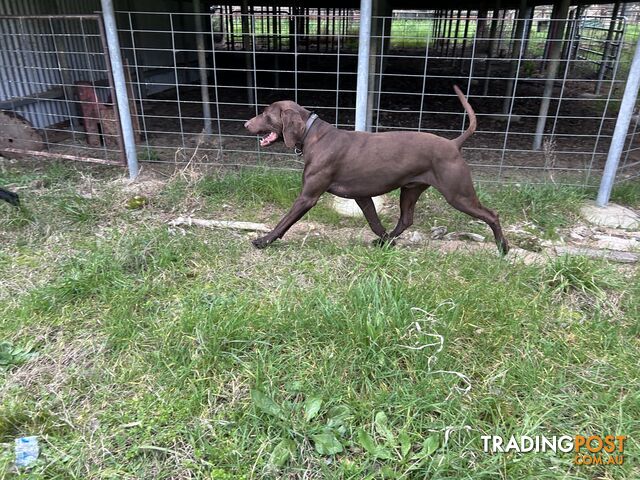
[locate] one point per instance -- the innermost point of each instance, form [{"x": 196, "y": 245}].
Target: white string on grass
[
  {"x": 449, "y": 430},
  {"x": 431, "y": 319}
]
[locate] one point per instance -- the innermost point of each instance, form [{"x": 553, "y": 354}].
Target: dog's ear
[{"x": 292, "y": 127}]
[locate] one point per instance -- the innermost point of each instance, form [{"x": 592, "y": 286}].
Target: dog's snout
[{"x": 246, "y": 124}]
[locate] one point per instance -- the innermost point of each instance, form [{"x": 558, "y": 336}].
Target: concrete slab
[
  {"x": 620, "y": 257},
  {"x": 610, "y": 242},
  {"x": 611, "y": 215},
  {"x": 528, "y": 258},
  {"x": 349, "y": 208}
]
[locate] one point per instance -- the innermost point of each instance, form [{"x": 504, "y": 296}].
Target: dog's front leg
[
  {"x": 312, "y": 188},
  {"x": 369, "y": 210},
  {"x": 301, "y": 206}
]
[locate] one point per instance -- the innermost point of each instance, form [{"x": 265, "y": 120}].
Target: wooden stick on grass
[{"x": 199, "y": 222}]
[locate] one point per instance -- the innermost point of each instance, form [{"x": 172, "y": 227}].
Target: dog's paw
[
  {"x": 384, "y": 242},
  {"x": 503, "y": 247},
  {"x": 261, "y": 242}
]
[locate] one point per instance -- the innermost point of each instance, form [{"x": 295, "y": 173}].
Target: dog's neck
[{"x": 307, "y": 128}]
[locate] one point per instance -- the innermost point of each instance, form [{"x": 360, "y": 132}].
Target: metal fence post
[
  {"x": 620, "y": 132},
  {"x": 202, "y": 68},
  {"x": 555, "y": 39},
  {"x": 364, "y": 49},
  {"x": 602, "y": 72},
  {"x": 122, "y": 99}
]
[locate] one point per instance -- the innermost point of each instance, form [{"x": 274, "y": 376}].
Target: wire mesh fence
[{"x": 545, "y": 90}]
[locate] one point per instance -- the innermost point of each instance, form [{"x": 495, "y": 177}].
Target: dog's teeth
[{"x": 268, "y": 139}]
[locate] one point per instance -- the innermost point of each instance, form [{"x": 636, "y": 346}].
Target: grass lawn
[{"x": 136, "y": 351}]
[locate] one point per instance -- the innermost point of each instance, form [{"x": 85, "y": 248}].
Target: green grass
[
  {"x": 248, "y": 191},
  {"x": 158, "y": 353},
  {"x": 627, "y": 193}
]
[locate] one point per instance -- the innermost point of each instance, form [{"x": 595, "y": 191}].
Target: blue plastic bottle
[{"x": 27, "y": 451}]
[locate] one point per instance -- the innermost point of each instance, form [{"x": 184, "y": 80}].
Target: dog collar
[{"x": 312, "y": 118}]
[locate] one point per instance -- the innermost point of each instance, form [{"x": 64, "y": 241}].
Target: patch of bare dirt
[{"x": 61, "y": 362}]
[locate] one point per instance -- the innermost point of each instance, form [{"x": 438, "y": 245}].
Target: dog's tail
[{"x": 472, "y": 119}]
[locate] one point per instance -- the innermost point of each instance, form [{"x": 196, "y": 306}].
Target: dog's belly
[
  {"x": 365, "y": 187},
  {"x": 350, "y": 192}
]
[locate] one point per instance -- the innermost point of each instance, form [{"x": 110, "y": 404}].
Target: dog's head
[{"x": 283, "y": 120}]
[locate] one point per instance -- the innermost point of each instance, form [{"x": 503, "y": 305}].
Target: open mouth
[{"x": 268, "y": 139}]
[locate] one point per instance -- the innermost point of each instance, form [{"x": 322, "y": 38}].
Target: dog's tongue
[{"x": 269, "y": 139}]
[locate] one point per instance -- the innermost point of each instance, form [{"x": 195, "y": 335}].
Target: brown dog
[{"x": 361, "y": 165}]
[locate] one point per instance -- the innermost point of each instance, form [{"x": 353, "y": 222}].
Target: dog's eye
[{"x": 268, "y": 117}]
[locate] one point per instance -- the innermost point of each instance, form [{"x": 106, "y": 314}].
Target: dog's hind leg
[
  {"x": 369, "y": 210},
  {"x": 477, "y": 210},
  {"x": 461, "y": 195}
]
